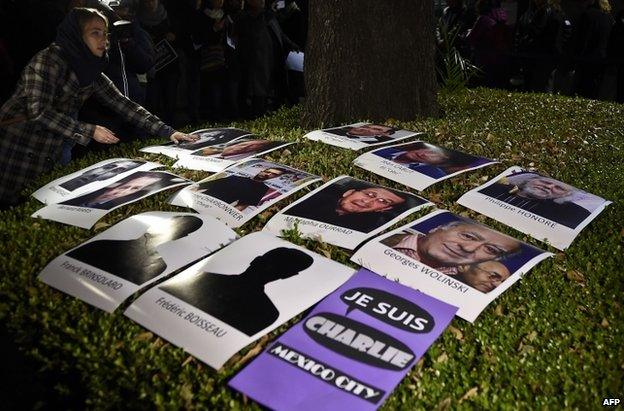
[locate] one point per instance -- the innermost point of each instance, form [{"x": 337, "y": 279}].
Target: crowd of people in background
[
  {"x": 573, "y": 47},
  {"x": 229, "y": 55}
]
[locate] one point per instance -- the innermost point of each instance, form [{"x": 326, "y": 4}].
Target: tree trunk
[{"x": 369, "y": 60}]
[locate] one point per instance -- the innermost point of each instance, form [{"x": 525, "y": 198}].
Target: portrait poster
[
  {"x": 165, "y": 54},
  {"x": 90, "y": 178},
  {"x": 360, "y": 135},
  {"x": 243, "y": 191},
  {"x": 133, "y": 254},
  {"x": 207, "y": 137},
  {"x": 540, "y": 206},
  {"x": 350, "y": 352},
  {"x": 233, "y": 297},
  {"x": 346, "y": 211},
  {"x": 86, "y": 209},
  {"x": 451, "y": 258},
  {"x": 419, "y": 164},
  {"x": 218, "y": 157}
]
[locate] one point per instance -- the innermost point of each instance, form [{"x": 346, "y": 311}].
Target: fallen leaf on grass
[
  {"x": 604, "y": 323},
  {"x": 188, "y": 360},
  {"x": 575, "y": 275},
  {"x": 525, "y": 349},
  {"x": 499, "y": 310},
  {"x": 435, "y": 197},
  {"x": 145, "y": 336},
  {"x": 471, "y": 393},
  {"x": 444, "y": 405},
  {"x": 442, "y": 358},
  {"x": 456, "y": 332},
  {"x": 101, "y": 225}
]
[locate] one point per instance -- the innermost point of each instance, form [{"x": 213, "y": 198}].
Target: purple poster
[{"x": 351, "y": 351}]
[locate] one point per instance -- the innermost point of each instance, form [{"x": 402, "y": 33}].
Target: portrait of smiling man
[
  {"x": 366, "y": 133},
  {"x": 484, "y": 277},
  {"x": 428, "y": 159},
  {"x": 237, "y": 150},
  {"x": 354, "y": 204},
  {"x": 458, "y": 243},
  {"x": 541, "y": 195}
]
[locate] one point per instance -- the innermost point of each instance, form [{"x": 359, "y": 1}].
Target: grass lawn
[{"x": 554, "y": 340}]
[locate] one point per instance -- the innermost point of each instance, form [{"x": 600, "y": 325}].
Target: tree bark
[{"x": 369, "y": 59}]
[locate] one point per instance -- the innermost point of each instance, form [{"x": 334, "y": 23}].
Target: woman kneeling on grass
[{"x": 38, "y": 124}]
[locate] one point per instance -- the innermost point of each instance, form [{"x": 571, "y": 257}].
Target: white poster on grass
[
  {"x": 241, "y": 192},
  {"x": 85, "y": 210},
  {"x": 545, "y": 208},
  {"x": 218, "y": 157},
  {"x": 91, "y": 178},
  {"x": 235, "y": 296},
  {"x": 207, "y": 137},
  {"x": 133, "y": 254},
  {"x": 360, "y": 135},
  {"x": 451, "y": 258},
  {"x": 346, "y": 211},
  {"x": 419, "y": 164}
]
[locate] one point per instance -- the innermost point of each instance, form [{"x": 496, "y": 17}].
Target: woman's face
[{"x": 95, "y": 36}]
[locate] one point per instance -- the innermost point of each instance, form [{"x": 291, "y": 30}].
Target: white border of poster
[
  {"x": 417, "y": 175},
  {"x": 329, "y": 136},
  {"x": 346, "y": 237},
  {"x": 165, "y": 54},
  {"x": 441, "y": 283},
  {"x": 207, "y": 137},
  {"x": 536, "y": 218},
  {"x": 53, "y": 192},
  {"x": 215, "y": 163},
  {"x": 214, "y": 341},
  {"x": 277, "y": 188},
  {"x": 86, "y": 216},
  {"x": 105, "y": 290}
]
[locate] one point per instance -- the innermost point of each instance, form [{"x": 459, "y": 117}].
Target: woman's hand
[
  {"x": 104, "y": 135},
  {"x": 177, "y": 137}
]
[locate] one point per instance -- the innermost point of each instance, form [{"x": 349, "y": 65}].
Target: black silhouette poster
[
  {"x": 91, "y": 178},
  {"x": 132, "y": 254},
  {"x": 228, "y": 300}
]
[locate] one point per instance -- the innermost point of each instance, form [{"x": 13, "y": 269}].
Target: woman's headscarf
[{"x": 85, "y": 64}]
